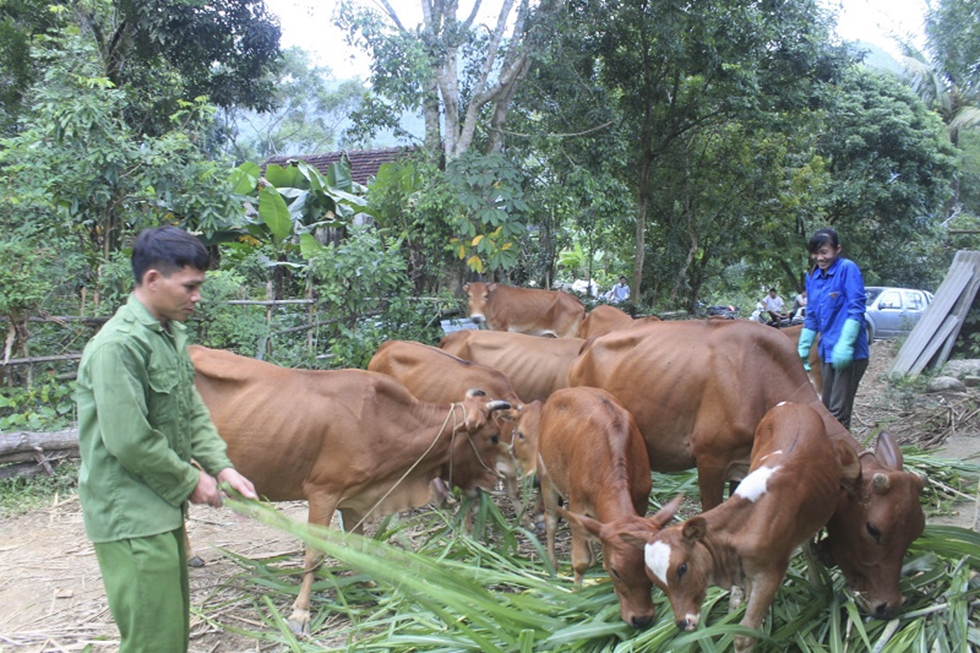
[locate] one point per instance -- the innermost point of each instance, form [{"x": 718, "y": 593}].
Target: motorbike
[{"x": 726, "y": 312}]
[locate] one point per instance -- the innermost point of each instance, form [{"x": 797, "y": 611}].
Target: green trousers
[{"x": 149, "y": 595}]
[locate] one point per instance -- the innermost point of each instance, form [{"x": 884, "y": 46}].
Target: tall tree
[
  {"x": 460, "y": 74},
  {"x": 165, "y": 51},
  {"x": 698, "y": 67},
  {"x": 947, "y": 76},
  {"x": 890, "y": 166}
]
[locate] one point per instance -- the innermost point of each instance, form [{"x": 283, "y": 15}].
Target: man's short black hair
[{"x": 167, "y": 249}]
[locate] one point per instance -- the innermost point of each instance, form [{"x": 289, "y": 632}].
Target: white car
[{"x": 890, "y": 312}]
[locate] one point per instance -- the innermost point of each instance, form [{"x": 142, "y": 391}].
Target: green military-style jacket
[{"x": 140, "y": 421}]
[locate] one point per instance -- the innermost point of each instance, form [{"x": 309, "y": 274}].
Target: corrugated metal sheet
[
  {"x": 364, "y": 164},
  {"x": 933, "y": 335}
]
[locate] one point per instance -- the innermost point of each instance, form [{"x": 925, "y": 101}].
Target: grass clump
[{"x": 23, "y": 494}]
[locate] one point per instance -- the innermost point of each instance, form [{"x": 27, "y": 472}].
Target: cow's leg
[
  {"x": 759, "y": 593},
  {"x": 550, "y": 498},
  {"x": 711, "y": 481},
  {"x": 582, "y": 557},
  {"x": 320, "y": 512},
  {"x": 193, "y": 560},
  {"x": 352, "y": 521}
]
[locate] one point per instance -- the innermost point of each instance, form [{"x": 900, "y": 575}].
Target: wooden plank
[
  {"x": 960, "y": 310},
  {"x": 926, "y": 355},
  {"x": 962, "y": 271}
]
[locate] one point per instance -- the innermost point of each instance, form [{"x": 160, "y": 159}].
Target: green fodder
[{"x": 421, "y": 584}]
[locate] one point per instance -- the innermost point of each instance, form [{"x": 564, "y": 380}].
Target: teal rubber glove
[
  {"x": 807, "y": 337},
  {"x": 843, "y": 352}
]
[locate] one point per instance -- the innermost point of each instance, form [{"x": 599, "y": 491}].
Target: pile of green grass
[{"x": 433, "y": 588}]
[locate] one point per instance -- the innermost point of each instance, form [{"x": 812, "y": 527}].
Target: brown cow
[
  {"x": 793, "y": 485},
  {"x": 525, "y": 310},
  {"x": 346, "y": 440},
  {"x": 535, "y": 366},
  {"x": 605, "y": 319},
  {"x": 698, "y": 389},
  {"x": 589, "y": 452},
  {"x": 436, "y": 376}
]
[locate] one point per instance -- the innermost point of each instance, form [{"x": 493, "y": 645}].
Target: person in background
[
  {"x": 619, "y": 293},
  {"x": 798, "y": 312},
  {"x": 773, "y": 304},
  {"x": 835, "y": 310},
  {"x": 140, "y": 422}
]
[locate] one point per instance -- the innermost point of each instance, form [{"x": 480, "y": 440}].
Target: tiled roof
[{"x": 364, "y": 164}]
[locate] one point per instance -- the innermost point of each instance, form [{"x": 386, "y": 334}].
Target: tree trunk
[{"x": 25, "y": 454}]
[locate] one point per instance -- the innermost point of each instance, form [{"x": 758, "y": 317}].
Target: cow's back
[
  {"x": 437, "y": 376},
  {"x": 286, "y": 428},
  {"x": 604, "y": 319},
  {"x": 684, "y": 379},
  {"x": 535, "y": 366},
  {"x": 801, "y": 495},
  {"x": 586, "y": 441}
]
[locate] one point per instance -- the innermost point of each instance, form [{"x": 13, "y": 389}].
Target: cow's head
[
  {"x": 678, "y": 562},
  {"x": 526, "y": 419},
  {"x": 479, "y": 294},
  {"x": 874, "y": 524},
  {"x": 623, "y": 560},
  {"x": 476, "y": 445}
]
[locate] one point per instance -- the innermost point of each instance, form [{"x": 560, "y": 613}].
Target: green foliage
[
  {"x": 492, "y": 199},
  {"x": 226, "y": 326},
  {"x": 25, "y": 266},
  {"x": 890, "y": 163},
  {"x": 161, "y": 52},
  {"x": 403, "y": 318},
  {"x": 413, "y": 201},
  {"x": 88, "y": 178},
  {"x": 45, "y": 406},
  {"x": 114, "y": 282}
]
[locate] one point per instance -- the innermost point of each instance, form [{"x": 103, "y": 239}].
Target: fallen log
[{"x": 24, "y": 453}]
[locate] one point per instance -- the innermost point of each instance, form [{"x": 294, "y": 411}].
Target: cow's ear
[
  {"x": 694, "y": 529},
  {"x": 491, "y": 287},
  {"x": 466, "y": 287},
  {"x": 888, "y": 453},
  {"x": 585, "y": 525},
  {"x": 850, "y": 466},
  {"x": 638, "y": 532},
  {"x": 665, "y": 514}
]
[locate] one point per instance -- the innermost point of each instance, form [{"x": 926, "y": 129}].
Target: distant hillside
[{"x": 875, "y": 57}]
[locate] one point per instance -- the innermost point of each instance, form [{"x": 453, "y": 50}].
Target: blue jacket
[{"x": 831, "y": 298}]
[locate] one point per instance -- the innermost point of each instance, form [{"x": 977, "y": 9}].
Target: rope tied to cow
[{"x": 450, "y": 414}]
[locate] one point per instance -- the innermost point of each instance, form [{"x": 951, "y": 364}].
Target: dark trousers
[{"x": 839, "y": 388}]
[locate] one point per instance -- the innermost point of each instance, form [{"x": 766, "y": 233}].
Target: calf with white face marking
[
  {"x": 791, "y": 491},
  {"x": 589, "y": 451}
]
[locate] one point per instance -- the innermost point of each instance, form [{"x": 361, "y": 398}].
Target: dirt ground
[{"x": 51, "y": 595}]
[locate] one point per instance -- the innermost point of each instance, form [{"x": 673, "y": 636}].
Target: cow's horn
[
  {"x": 880, "y": 483},
  {"x": 475, "y": 392},
  {"x": 498, "y": 404}
]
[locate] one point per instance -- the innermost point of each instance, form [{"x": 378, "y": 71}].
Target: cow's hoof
[
  {"x": 195, "y": 562},
  {"x": 298, "y": 628},
  {"x": 299, "y": 622}
]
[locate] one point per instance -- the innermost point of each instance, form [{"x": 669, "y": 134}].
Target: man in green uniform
[{"x": 141, "y": 421}]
